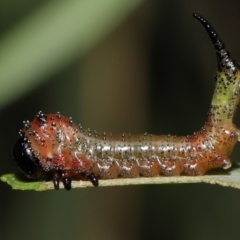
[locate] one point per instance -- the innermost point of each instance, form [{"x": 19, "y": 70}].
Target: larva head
[
  {"x": 48, "y": 148},
  {"x": 25, "y": 158},
  {"x": 49, "y": 134},
  {"x": 44, "y": 144}
]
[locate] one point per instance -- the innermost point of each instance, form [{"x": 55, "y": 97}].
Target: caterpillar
[{"x": 52, "y": 147}]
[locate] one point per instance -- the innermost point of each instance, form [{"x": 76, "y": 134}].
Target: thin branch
[{"x": 224, "y": 178}]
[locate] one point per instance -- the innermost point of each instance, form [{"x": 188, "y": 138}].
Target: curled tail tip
[
  {"x": 224, "y": 58},
  {"x": 217, "y": 42},
  {"x": 204, "y": 22},
  {"x": 196, "y": 15}
]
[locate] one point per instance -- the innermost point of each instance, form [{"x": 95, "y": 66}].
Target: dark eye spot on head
[{"x": 25, "y": 158}]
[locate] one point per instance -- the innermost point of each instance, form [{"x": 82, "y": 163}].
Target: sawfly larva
[{"x": 52, "y": 147}]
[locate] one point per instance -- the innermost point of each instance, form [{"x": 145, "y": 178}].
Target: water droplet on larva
[
  {"x": 58, "y": 115},
  {"x": 70, "y": 120},
  {"x": 26, "y": 124}
]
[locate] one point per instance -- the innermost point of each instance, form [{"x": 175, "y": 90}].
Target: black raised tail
[{"x": 225, "y": 61}]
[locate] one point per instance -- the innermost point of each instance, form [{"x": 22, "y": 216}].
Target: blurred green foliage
[{"x": 52, "y": 37}]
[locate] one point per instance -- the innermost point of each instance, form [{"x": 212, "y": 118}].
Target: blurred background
[{"x": 114, "y": 66}]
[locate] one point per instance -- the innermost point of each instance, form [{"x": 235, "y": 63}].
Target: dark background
[{"x": 154, "y": 73}]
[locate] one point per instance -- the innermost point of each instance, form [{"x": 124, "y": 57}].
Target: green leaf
[{"x": 226, "y": 178}]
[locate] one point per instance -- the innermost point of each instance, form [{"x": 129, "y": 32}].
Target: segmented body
[{"x": 58, "y": 149}]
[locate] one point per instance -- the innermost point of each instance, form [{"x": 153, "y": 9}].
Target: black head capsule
[
  {"x": 25, "y": 158},
  {"x": 225, "y": 61}
]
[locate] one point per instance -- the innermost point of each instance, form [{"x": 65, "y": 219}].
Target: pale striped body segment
[{"x": 52, "y": 147}]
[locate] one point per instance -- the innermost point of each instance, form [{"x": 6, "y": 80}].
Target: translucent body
[{"x": 59, "y": 150}]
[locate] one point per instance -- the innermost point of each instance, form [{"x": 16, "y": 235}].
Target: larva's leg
[
  {"x": 196, "y": 168},
  {"x": 149, "y": 168},
  {"x": 129, "y": 169},
  {"x": 67, "y": 182},
  {"x": 56, "y": 182},
  {"x": 93, "y": 179},
  {"x": 191, "y": 170},
  {"x": 106, "y": 169},
  {"x": 171, "y": 167}
]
